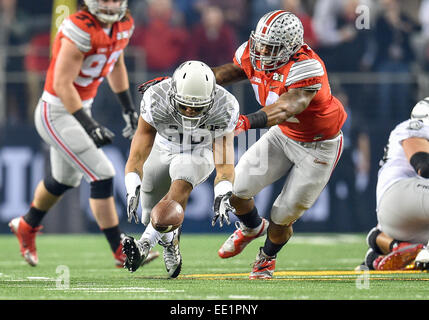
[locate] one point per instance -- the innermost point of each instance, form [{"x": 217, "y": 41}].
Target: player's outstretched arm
[
  {"x": 289, "y": 104},
  {"x": 141, "y": 146},
  {"x": 228, "y": 73},
  {"x": 223, "y": 151}
]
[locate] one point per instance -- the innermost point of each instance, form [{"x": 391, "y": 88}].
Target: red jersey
[
  {"x": 101, "y": 50},
  {"x": 324, "y": 116}
]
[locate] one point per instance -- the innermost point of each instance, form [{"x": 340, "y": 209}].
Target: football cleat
[
  {"x": 422, "y": 260},
  {"x": 136, "y": 252},
  {"x": 263, "y": 267},
  {"x": 26, "y": 235},
  {"x": 172, "y": 256},
  {"x": 241, "y": 238},
  {"x": 120, "y": 256},
  {"x": 400, "y": 257}
]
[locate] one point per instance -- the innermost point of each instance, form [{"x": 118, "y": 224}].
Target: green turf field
[{"x": 310, "y": 267}]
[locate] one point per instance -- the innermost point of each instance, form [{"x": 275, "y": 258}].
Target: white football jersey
[
  {"x": 395, "y": 165},
  {"x": 155, "y": 109}
]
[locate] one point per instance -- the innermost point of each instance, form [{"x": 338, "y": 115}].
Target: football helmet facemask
[
  {"x": 192, "y": 93},
  {"x": 421, "y": 111},
  {"x": 106, "y": 13},
  {"x": 278, "y": 35}
]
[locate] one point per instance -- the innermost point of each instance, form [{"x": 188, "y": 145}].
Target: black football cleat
[{"x": 136, "y": 252}]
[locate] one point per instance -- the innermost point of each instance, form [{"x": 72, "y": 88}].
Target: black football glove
[
  {"x": 98, "y": 133},
  {"x": 101, "y": 136}
]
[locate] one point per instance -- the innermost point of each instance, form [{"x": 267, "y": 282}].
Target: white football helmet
[
  {"x": 105, "y": 13},
  {"x": 278, "y": 35},
  {"x": 421, "y": 111},
  {"x": 192, "y": 93}
]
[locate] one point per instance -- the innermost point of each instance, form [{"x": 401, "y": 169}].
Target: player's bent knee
[
  {"x": 102, "y": 189},
  {"x": 285, "y": 216},
  {"x": 54, "y": 187}
]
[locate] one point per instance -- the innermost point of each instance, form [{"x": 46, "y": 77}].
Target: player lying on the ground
[
  {"x": 402, "y": 232},
  {"x": 182, "y": 120}
]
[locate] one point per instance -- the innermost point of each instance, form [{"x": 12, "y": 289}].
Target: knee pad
[
  {"x": 54, "y": 187},
  {"x": 371, "y": 240},
  {"x": 102, "y": 189}
]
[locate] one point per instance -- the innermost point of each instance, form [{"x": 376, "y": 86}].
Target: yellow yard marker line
[{"x": 322, "y": 273}]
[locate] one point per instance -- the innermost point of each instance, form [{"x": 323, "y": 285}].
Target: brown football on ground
[{"x": 167, "y": 216}]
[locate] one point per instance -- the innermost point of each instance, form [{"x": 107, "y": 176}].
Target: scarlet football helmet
[
  {"x": 106, "y": 13},
  {"x": 192, "y": 93},
  {"x": 278, "y": 35}
]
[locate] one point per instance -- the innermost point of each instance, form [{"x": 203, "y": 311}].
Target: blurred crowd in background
[
  {"x": 171, "y": 31},
  {"x": 377, "y": 66}
]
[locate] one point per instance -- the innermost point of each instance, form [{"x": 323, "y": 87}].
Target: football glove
[
  {"x": 242, "y": 125},
  {"x": 101, "y": 136},
  {"x": 131, "y": 120},
  {"x": 144, "y": 86},
  {"x": 222, "y": 208},
  {"x": 132, "y": 205}
]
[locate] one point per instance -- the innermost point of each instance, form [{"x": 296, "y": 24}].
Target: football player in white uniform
[
  {"x": 185, "y": 131},
  {"x": 398, "y": 241}
]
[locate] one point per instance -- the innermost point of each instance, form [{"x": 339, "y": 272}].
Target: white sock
[
  {"x": 167, "y": 237},
  {"x": 151, "y": 235}
]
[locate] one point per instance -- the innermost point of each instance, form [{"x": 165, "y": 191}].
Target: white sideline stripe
[{"x": 122, "y": 289}]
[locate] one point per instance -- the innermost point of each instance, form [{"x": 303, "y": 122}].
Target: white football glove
[
  {"x": 132, "y": 184},
  {"x": 221, "y": 206}
]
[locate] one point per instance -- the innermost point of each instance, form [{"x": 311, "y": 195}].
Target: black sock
[
  {"x": 271, "y": 249},
  {"x": 34, "y": 216},
  {"x": 370, "y": 258},
  {"x": 251, "y": 219},
  {"x": 113, "y": 236}
]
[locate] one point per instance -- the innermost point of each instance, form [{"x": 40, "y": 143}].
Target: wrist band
[
  {"x": 222, "y": 187},
  {"x": 132, "y": 181},
  {"x": 125, "y": 100},
  {"x": 257, "y": 119}
]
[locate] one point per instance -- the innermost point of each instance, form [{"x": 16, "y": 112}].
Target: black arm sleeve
[
  {"x": 257, "y": 119},
  {"x": 125, "y": 100},
  {"x": 85, "y": 120},
  {"x": 420, "y": 162}
]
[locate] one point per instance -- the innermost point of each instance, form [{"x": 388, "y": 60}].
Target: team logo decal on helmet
[
  {"x": 106, "y": 13},
  {"x": 278, "y": 35},
  {"x": 192, "y": 93}
]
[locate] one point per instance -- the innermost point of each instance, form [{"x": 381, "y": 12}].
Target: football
[{"x": 167, "y": 216}]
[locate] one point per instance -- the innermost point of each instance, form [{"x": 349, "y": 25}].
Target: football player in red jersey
[
  {"x": 88, "y": 47},
  {"x": 304, "y": 142}
]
